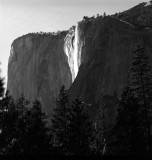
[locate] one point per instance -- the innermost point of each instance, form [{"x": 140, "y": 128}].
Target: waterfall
[
  {"x": 72, "y": 51},
  {"x": 76, "y": 52}
]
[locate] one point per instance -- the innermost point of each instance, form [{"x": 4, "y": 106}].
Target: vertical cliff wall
[
  {"x": 89, "y": 59},
  {"x": 106, "y": 46},
  {"x": 38, "y": 67}
]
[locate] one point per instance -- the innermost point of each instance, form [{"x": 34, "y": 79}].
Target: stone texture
[
  {"x": 38, "y": 67},
  {"x": 140, "y": 15},
  {"x": 101, "y": 50},
  {"x": 105, "y": 58}
]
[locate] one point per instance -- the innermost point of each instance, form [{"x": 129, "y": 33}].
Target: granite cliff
[
  {"x": 106, "y": 53},
  {"x": 140, "y": 15},
  {"x": 38, "y": 67},
  {"x": 89, "y": 59}
]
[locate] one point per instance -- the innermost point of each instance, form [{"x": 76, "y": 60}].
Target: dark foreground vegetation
[{"x": 24, "y": 129}]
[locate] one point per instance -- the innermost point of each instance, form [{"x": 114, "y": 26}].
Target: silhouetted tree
[
  {"x": 102, "y": 126},
  {"x": 31, "y": 131},
  {"x": 6, "y": 120},
  {"x": 60, "y": 121},
  {"x": 1, "y": 87},
  {"x": 1, "y": 96},
  {"x": 128, "y": 136},
  {"x": 141, "y": 84},
  {"x": 23, "y": 129},
  {"x": 37, "y": 132},
  {"x": 79, "y": 129},
  {"x": 104, "y": 14},
  {"x": 22, "y": 107},
  {"x": 9, "y": 116},
  {"x": 21, "y": 103}
]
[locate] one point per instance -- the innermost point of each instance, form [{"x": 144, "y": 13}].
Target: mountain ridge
[{"x": 99, "y": 48}]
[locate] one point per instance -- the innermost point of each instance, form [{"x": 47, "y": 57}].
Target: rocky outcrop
[
  {"x": 38, "y": 67},
  {"x": 140, "y": 15},
  {"x": 106, "y": 54},
  {"x": 89, "y": 59}
]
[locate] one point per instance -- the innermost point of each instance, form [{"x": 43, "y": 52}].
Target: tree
[
  {"x": 4, "y": 126},
  {"x": 104, "y": 14},
  {"x": 60, "y": 121},
  {"x": 23, "y": 128},
  {"x": 141, "y": 84},
  {"x": 1, "y": 96},
  {"x": 102, "y": 126},
  {"x": 37, "y": 131},
  {"x": 79, "y": 129},
  {"x": 33, "y": 136},
  {"x": 9, "y": 116},
  {"x": 2, "y": 89},
  {"x": 21, "y": 105},
  {"x": 128, "y": 136}
]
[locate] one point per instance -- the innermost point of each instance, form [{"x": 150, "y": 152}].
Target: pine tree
[
  {"x": 60, "y": 121},
  {"x": 104, "y": 14},
  {"x": 6, "y": 120},
  {"x": 22, "y": 107},
  {"x": 1, "y": 96},
  {"x": 21, "y": 104},
  {"x": 37, "y": 131},
  {"x": 9, "y": 116},
  {"x": 2, "y": 89},
  {"x": 23, "y": 129},
  {"x": 141, "y": 84},
  {"x": 33, "y": 136},
  {"x": 79, "y": 129},
  {"x": 102, "y": 126},
  {"x": 14, "y": 126},
  {"x": 128, "y": 137}
]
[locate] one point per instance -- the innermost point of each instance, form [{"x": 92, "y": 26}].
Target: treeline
[
  {"x": 24, "y": 128},
  {"x": 42, "y": 33}
]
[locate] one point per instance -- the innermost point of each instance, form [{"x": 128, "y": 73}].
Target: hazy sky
[{"x": 18, "y": 17}]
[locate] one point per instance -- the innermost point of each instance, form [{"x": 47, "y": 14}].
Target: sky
[{"x": 19, "y": 17}]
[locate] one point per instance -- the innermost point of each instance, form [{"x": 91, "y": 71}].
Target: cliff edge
[{"x": 89, "y": 59}]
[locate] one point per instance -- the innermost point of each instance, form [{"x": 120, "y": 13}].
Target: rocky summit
[{"x": 89, "y": 59}]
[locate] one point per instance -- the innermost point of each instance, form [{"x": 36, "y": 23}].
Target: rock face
[
  {"x": 89, "y": 59},
  {"x": 38, "y": 67},
  {"x": 138, "y": 15},
  {"x": 106, "y": 53}
]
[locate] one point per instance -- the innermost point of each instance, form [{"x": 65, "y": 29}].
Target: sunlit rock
[
  {"x": 106, "y": 54},
  {"x": 38, "y": 67},
  {"x": 92, "y": 58}
]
